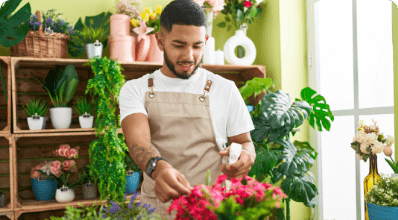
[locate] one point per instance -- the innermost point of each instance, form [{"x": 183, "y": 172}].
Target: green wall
[{"x": 279, "y": 35}]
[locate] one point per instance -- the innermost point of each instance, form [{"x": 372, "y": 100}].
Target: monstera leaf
[
  {"x": 301, "y": 188},
  {"x": 321, "y": 110},
  {"x": 279, "y": 116},
  {"x": 75, "y": 47},
  {"x": 294, "y": 161},
  {"x": 13, "y": 29},
  {"x": 264, "y": 163}
]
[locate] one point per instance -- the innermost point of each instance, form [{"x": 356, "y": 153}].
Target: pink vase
[
  {"x": 120, "y": 24},
  {"x": 142, "y": 48},
  {"x": 154, "y": 53},
  {"x": 122, "y": 48}
]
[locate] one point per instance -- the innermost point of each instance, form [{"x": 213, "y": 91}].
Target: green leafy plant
[
  {"x": 100, "y": 23},
  {"x": 384, "y": 192},
  {"x": 130, "y": 164},
  {"x": 82, "y": 106},
  {"x": 288, "y": 163},
  {"x": 107, "y": 153},
  {"x": 60, "y": 85},
  {"x": 89, "y": 35},
  {"x": 36, "y": 105},
  {"x": 238, "y": 12},
  {"x": 86, "y": 176},
  {"x": 1, "y": 192},
  {"x": 13, "y": 28},
  {"x": 393, "y": 164},
  {"x": 82, "y": 212}
]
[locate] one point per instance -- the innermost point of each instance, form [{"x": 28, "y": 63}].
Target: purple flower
[
  {"x": 130, "y": 206},
  {"x": 139, "y": 217},
  {"x": 50, "y": 21},
  {"x": 134, "y": 196},
  {"x": 115, "y": 208},
  {"x": 138, "y": 204},
  {"x": 145, "y": 205},
  {"x": 151, "y": 210}
]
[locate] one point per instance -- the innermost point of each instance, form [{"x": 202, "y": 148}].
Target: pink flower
[
  {"x": 73, "y": 152},
  {"x": 56, "y": 164},
  {"x": 277, "y": 205},
  {"x": 34, "y": 174},
  {"x": 62, "y": 152},
  {"x": 66, "y": 165},
  {"x": 56, "y": 152},
  {"x": 56, "y": 172},
  {"x": 68, "y": 154},
  {"x": 39, "y": 166},
  {"x": 247, "y": 4},
  {"x": 64, "y": 147}
]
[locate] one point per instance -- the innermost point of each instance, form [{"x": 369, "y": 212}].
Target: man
[{"x": 176, "y": 119}]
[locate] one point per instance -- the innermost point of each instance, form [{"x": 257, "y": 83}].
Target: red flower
[{"x": 247, "y": 4}]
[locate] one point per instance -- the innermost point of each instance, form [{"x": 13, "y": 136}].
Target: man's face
[{"x": 183, "y": 50}]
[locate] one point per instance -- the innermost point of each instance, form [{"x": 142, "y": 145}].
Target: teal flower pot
[
  {"x": 250, "y": 108},
  {"x": 133, "y": 179},
  {"x": 44, "y": 190},
  {"x": 382, "y": 212}
]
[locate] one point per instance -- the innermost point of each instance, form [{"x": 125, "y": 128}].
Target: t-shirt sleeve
[
  {"x": 239, "y": 120},
  {"x": 130, "y": 100}
]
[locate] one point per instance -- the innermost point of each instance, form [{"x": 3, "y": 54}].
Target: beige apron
[{"x": 183, "y": 134}]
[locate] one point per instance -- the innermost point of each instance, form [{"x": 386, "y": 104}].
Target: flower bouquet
[
  {"x": 148, "y": 19},
  {"x": 43, "y": 180},
  {"x": 215, "y": 6},
  {"x": 52, "y": 23},
  {"x": 246, "y": 199},
  {"x": 130, "y": 8}
]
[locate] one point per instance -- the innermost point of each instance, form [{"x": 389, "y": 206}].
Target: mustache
[{"x": 187, "y": 63}]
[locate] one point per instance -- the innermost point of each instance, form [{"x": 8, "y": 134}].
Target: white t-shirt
[{"x": 229, "y": 114}]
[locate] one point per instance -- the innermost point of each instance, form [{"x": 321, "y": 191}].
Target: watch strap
[{"x": 151, "y": 165}]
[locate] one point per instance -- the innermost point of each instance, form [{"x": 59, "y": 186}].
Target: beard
[{"x": 184, "y": 74}]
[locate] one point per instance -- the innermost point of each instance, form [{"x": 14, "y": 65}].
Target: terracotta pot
[
  {"x": 143, "y": 48},
  {"x": 122, "y": 48},
  {"x": 120, "y": 24},
  {"x": 154, "y": 53}
]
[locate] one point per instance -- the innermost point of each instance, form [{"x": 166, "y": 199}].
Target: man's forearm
[{"x": 141, "y": 154}]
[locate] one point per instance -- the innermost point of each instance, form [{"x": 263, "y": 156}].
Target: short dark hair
[{"x": 183, "y": 12}]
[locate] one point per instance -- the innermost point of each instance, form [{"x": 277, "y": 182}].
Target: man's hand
[
  {"x": 169, "y": 183},
  {"x": 240, "y": 167}
]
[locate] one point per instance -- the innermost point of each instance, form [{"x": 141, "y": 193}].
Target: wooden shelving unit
[{"x": 29, "y": 147}]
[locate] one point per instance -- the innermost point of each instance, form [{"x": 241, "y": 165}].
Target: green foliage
[
  {"x": 89, "y": 35},
  {"x": 130, "y": 164},
  {"x": 36, "y": 105},
  {"x": 1, "y": 192},
  {"x": 321, "y": 110},
  {"x": 86, "y": 177},
  {"x": 60, "y": 85},
  {"x": 98, "y": 22},
  {"x": 84, "y": 212},
  {"x": 385, "y": 192},
  {"x": 13, "y": 28},
  {"x": 235, "y": 13},
  {"x": 107, "y": 153},
  {"x": 82, "y": 106},
  {"x": 393, "y": 164}
]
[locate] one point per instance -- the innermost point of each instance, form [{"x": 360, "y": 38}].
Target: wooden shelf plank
[{"x": 86, "y": 131}]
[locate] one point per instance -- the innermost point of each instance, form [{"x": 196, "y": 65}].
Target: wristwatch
[{"x": 151, "y": 165}]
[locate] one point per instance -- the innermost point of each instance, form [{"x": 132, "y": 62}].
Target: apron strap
[{"x": 150, "y": 85}]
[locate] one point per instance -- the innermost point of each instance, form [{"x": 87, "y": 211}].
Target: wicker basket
[{"x": 41, "y": 44}]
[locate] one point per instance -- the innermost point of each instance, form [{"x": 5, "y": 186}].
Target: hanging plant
[{"x": 107, "y": 152}]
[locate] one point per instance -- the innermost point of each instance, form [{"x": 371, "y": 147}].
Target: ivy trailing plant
[
  {"x": 108, "y": 151},
  {"x": 276, "y": 119}
]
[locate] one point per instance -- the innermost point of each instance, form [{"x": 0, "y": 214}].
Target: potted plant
[
  {"x": 89, "y": 188},
  {"x": 65, "y": 168},
  {"x": 245, "y": 199},
  {"x": 2, "y": 198},
  {"x": 61, "y": 86},
  {"x": 84, "y": 110},
  {"x": 382, "y": 200},
  {"x": 130, "y": 210},
  {"x": 133, "y": 174},
  {"x": 36, "y": 109},
  {"x": 93, "y": 40},
  {"x": 43, "y": 181}
]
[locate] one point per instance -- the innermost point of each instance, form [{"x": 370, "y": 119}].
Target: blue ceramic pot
[
  {"x": 250, "y": 108},
  {"x": 382, "y": 212},
  {"x": 44, "y": 190},
  {"x": 132, "y": 182}
]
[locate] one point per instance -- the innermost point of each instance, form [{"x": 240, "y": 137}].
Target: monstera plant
[
  {"x": 98, "y": 22},
  {"x": 276, "y": 119}
]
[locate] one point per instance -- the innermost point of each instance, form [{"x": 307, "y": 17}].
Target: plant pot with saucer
[
  {"x": 93, "y": 40},
  {"x": 84, "y": 110},
  {"x": 65, "y": 194},
  {"x": 35, "y": 110},
  {"x": 61, "y": 86},
  {"x": 379, "y": 200}
]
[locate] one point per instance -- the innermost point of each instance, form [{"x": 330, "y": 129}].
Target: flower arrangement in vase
[
  {"x": 51, "y": 22},
  {"x": 36, "y": 109},
  {"x": 144, "y": 28},
  {"x": 43, "y": 180},
  {"x": 367, "y": 143},
  {"x": 84, "y": 110},
  {"x": 246, "y": 199},
  {"x": 130, "y": 8},
  {"x": 382, "y": 199},
  {"x": 63, "y": 170}
]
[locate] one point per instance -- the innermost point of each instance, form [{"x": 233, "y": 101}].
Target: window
[{"x": 350, "y": 43}]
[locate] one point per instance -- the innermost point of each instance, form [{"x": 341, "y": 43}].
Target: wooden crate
[
  {"x": 7, "y": 216},
  {"x": 6, "y": 172},
  {"x": 5, "y": 96}
]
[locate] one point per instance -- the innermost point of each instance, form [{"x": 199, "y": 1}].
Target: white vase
[
  {"x": 86, "y": 122},
  {"x": 65, "y": 195},
  {"x": 240, "y": 39},
  {"x": 61, "y": 118},
  {"x": 94, "y": 50},
  {"x": 209, "y": 17},
  {"x": 37, "y": 124}
]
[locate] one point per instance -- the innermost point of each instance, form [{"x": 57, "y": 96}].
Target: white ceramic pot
[
  {"x": 240, "y": 39},
  {"x": 65, "y": 195},
  {"x": 2, "y": 200},
  {"x": 86, "y": 122},
  {"x": 37, "y": 124},
  {"x": 61, "y": 117},
  {"x": 94, "y": 50}
]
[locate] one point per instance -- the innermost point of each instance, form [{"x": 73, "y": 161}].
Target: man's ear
[
  {"x": 160, "y": 40},
  {"x": 206, "y": 38}
]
